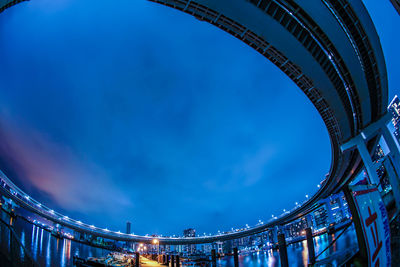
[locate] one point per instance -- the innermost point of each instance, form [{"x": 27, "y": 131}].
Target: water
[
  {"x": 47, "y": 250},
  {"x": 298, "y": 252}
]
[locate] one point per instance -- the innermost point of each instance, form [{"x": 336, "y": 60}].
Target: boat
[{"x": 113, "y": 259}]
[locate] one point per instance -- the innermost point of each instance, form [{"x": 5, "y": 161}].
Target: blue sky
[{"x": 138, "y": 112}]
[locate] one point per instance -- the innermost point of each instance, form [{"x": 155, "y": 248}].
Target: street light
[{"x": 157, "y": 242}]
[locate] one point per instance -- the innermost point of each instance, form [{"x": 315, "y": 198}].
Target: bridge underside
[{"x": 329, "y": 48}]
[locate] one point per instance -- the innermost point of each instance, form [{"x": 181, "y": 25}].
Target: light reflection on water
[
  {"x": 46, "y": 249},
  {"x": 50, "y": 251},
  {"x": 297, "y": 253},
  {"x": 23, "y": 243},
  {"x": 304, "y": 253}
]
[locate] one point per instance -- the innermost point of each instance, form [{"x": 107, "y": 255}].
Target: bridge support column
[
  {"x": 283, "y": 250},
  {"x": 137, "y": 259},
  {"x": 236, "y": 257},
  {"x": 178, "y": 263},
  {"x": 310, "y": 246},
  {"x": 172, "y": 260},
  {"x": 361, "y": 144},
  {"x": 379, "y": 129},
  {"x": 363, "y": 255},
  {"x": 213, "y": 258}
]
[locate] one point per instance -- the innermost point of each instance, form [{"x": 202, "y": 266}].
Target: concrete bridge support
[
  {"x": 137, "y": 259},
  {"x": 310, "y": 246},
  {"x": 392, "y": 161},
  {"x": 283, "y": 250},
  {"x": 236, "y": 257},
  {"x": 213, "y": 258}
]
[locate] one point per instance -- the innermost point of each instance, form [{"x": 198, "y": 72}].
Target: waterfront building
[
  {"x": 394, "y": 109},
  {"x": 296, "y": 228},
  {"x": 206, "y": 248},
  {"x": 227, "y": 246},
  {"x": 190, "y": 232},
  {"x": 378, "y": 155},
  {"x": 270, "y": 236},
  {"x": 338, "y": 209},
  {"x": 321, "y": 218}
]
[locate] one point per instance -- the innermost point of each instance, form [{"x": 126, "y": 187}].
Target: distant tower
[{"x": 128, "y": 228}]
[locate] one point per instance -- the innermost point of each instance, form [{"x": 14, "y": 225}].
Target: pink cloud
[{"x": 73, "y": 182}]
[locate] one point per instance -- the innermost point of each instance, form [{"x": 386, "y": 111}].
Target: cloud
[{"x": 73, "y": 182}]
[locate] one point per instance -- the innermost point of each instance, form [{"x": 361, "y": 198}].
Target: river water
[
  {"x": 298, "y": 252},
  {"x": 49, "y": 251}
]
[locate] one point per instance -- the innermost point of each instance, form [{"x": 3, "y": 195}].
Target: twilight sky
[{"x": 134, "y": 111}]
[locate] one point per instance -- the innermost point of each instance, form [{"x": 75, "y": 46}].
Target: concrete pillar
[
  {"x": 310, "y": 246},
  {"x": 178, "y": 263},
  {"x": 213, "y": 258},
  {"x": 376, "y": 129},
  {"x": 172, "y": 260},
  {"x": 236, "y": 257},
  {"x": 363, "y": 251},
  {"x": 137, "y": 259},
  {"x": 283, "y": 250},
  {"x": 366, "y": 157}
]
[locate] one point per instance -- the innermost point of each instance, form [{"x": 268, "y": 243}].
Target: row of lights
[{"x": 219, "y": 232}]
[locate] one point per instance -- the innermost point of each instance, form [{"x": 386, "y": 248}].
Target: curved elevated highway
[{"x": 329, "y": 48}]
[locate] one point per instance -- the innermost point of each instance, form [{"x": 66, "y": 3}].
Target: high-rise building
[
  {"x": 190, "y": 249},
  {"x": 394, "y": 108},
  {"x": 321, "y": 218},
  {"x": 128, "y": 228}
]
